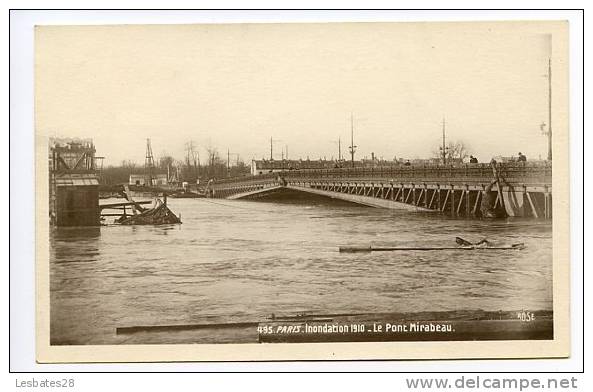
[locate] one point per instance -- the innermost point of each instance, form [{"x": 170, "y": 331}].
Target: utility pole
[
  {"x": 228, "y": 161},
  {"x": 196, "y": 167},
  {"x": 339, "y": 143},
  {"x": 272, "y": 147},
  {"x": 352, "y": 146},
  {"x": 192, "y": 154},
  {"x": 187, "y": 160},
  {"x": 148, "y": 164},
  {"x": 548, "y": 132},
  {"x": 444, "y": 146}
]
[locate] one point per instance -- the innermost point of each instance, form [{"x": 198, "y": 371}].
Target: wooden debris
[
  {"x": 160, "y": 215},
  {"x": 118, "y": 205}
]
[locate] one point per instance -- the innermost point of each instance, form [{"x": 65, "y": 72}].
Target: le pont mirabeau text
[{"x": 417, "y": 326}]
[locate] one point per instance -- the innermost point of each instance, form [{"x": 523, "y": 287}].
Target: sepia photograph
[{"x": 302, "y": 190}]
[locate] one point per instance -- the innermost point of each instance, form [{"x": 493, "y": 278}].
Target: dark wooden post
[
  {"x": 439, "y": 198},
  {"x": 452, "y": 201},
  {"x": 467, "y": 202}
]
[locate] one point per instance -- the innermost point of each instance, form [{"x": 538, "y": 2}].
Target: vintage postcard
[{"x": 320, "y": 191}]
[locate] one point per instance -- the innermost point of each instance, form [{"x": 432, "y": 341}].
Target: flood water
[{"x": 244, "y": 260}]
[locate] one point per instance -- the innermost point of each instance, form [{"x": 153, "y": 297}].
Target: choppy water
[{"x": 244, "y": 260}]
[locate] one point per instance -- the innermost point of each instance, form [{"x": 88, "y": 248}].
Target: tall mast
[
  {"x": 352, "y": 146},
  {"x": 196, "y": 171},
  {"x": 352, "y": 137},
  {"x": 444, "y": 148},
  {"x": 272, "y": 141},
  {"x": 339, "y": 149}
]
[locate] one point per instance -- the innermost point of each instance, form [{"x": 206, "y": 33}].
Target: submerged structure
[
  {"x": 73, "y": 183},
  {"x": 159, "y": 215}
]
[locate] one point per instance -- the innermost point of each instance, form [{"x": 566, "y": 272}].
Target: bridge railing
[
  {"x": 515, "y": 172},
  {"x": 244, "y": 180},
  {"x": 536, "y": 172}
]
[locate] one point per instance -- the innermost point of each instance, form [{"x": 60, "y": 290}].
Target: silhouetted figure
[
  {"x": 407, "y": 163},
  {"x": 473, "y": 159},
  {"x": 522, "y": 158}
]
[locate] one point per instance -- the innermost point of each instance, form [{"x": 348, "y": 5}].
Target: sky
[{"x": 234, "y": 86}]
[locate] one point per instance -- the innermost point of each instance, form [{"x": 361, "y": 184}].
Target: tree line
[{"x": 189, "y": 169}]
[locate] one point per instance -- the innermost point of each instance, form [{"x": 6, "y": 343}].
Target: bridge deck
[{"x": 521, "y": 189}]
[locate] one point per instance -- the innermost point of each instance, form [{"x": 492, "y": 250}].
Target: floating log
[{"x": 355, "y": 249}]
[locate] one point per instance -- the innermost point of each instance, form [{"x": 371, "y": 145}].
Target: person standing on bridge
[
  {"x": 522, "y": 158},
  {"x": 473, "y": 159}
]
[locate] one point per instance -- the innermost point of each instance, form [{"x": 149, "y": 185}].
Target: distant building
[{"x": 140, "y": 179}]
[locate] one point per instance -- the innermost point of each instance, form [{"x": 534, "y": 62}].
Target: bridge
[{"x": 518, "y": 189}]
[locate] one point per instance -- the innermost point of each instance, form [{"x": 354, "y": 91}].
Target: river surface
[{"x": 244, "y": 260}]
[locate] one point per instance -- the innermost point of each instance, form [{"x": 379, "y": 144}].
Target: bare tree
[
  {"x": 455, "y": 152},
  {"x": 458, "y": 151},
  {"x": 192, "y": 158},
  {"x": 166, "y": 162},
  {"x": 128, "y": 164},
  {"x": 214, "y": 160}
]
